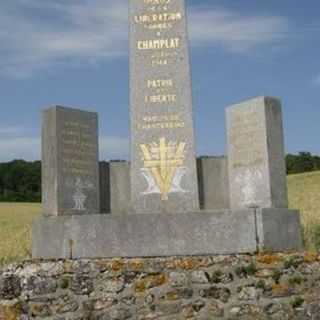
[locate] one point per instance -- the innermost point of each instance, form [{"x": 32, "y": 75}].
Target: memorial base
[{"x": 157, "y": 235}]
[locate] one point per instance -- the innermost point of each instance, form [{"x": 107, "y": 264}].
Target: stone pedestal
[{"x": 155, "y": 235}]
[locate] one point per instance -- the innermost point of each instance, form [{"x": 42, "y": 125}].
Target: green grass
[
  {"x": 15, "y": 230},
  {"x": 16, "y": 218}
]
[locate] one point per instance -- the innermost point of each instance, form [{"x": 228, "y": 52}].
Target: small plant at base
[
  {"x": 297, "y": 302},
  {"x": 276, "y": 276},
  {"x": 261, "y": 285},
  {"x": 251, "y": 269},
  {"x": 295, "y": 280},
  {"x": 292, "y": 262},
  {"x": 216, "y": 276}
]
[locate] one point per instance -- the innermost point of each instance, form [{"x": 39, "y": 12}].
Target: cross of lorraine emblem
[{"x": 163, "y": 167}]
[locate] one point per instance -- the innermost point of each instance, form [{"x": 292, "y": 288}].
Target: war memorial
[{"x": 164, "y": 202}]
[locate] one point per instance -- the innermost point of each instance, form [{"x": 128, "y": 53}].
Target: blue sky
[{"x": 74, "y": 53}]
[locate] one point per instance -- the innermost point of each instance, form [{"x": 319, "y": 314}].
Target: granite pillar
[
  {"x": 257, "y": 171},
  {"x": 70, "y": 173},
  {"x": 163, "y": 167}
]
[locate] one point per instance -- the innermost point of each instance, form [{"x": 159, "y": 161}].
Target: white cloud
[
  {"x": 235, "y": 32},
  {"x": 13, "y": 146},
  {"x": 60, "y": 33},
  {"x": 36, "y": 35}
]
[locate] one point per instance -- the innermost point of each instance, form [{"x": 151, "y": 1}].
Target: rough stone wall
[{"x": 216, "y": 287}]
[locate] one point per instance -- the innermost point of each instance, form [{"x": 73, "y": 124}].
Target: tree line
[
  {"x": 302, "y": 162},
  {"x": 20, "y": 181}
]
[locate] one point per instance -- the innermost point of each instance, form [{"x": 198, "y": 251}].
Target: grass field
[
  {"x": 304, "y": 194},
  {"x": 15, "y": 227},
  {"x": 15, "y": 218}
]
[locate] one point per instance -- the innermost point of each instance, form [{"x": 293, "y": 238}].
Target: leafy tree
[
  {"x": 20, "y": 181},
  {"x": 302, "y": 162}
]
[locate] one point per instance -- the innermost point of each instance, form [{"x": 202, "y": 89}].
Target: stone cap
[
  {"x": 257, "y": 99},
  {"x": 69, "y": 109}
]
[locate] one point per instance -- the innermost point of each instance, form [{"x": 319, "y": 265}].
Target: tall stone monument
[
  {"x": 70, "y": 173},
  {"x": 163, "y": 172},
  {"x": 256, "y": 155},
  {"x": 163, "y": 167}
]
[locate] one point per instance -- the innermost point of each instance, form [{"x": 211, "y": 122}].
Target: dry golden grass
[
  {"x": 16, "y": 218},
  {"x": 304, "y": 194},
  {"x": 15, "y": 230}
]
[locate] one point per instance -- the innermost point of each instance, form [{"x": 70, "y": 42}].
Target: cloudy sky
[{"x": 74, "y": 53}]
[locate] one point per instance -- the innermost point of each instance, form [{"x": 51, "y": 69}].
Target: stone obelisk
[{"x": 163, "y": 171}]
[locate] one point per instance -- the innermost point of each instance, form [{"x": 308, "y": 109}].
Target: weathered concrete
[
  {"x": 279, "y": 229},
  {"x": 119, "y": 187},
  {"x": 213, "y": 183},
  {"x": 150, "y": 235},
  {"x": 163, "y": 167},
  {"x": 70, "y": 173},
  {"x": 144, "y": 235},
  {"x": 257, "y": 172}
]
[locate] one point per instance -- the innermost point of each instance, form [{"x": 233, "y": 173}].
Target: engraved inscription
[
  {"x": 163, "y": 146},
  {"x": 165, "y": 121},
  {"x": 172, "y": 43},
  {"x": 78, "y": 149},
  {"x": 247, "y": 140}
]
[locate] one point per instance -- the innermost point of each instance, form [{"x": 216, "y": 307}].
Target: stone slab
[
  {"x": 213, "y": 183},
  {"x": 146, "y": 235},
  {"x": 104, "y": 178},
  {"x": 279, "y": 230},
  {"x": 70, "y": 173},
  {"x": 156, "y": 235},
  {"x": 120, "y": 187},
  {"x": 163, "y": 172},
  {"x": 257, "y": 172}
]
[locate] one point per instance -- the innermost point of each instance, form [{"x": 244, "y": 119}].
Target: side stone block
[
  {"x": 148, "y": 235},
  {"x": 279, "y": 230},
  {"x": 256, "y": 157},
  {"x": 213, "y": 183},
  {"x": 70, "y": 172},
  {"x": 120, "y": 187}
]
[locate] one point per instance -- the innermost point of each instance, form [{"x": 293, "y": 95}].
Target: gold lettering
[
  {"x": 161, "y": 17},
  {"x": 160, "y": 83},
  {"x": 168, "y": 98},
  {"x": 158, "y": 44}
]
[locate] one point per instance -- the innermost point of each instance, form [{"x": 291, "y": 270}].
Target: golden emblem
[{"x": 163, "y": 167}]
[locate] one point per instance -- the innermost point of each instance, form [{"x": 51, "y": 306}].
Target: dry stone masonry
[{"x": 237, "y": 287}]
